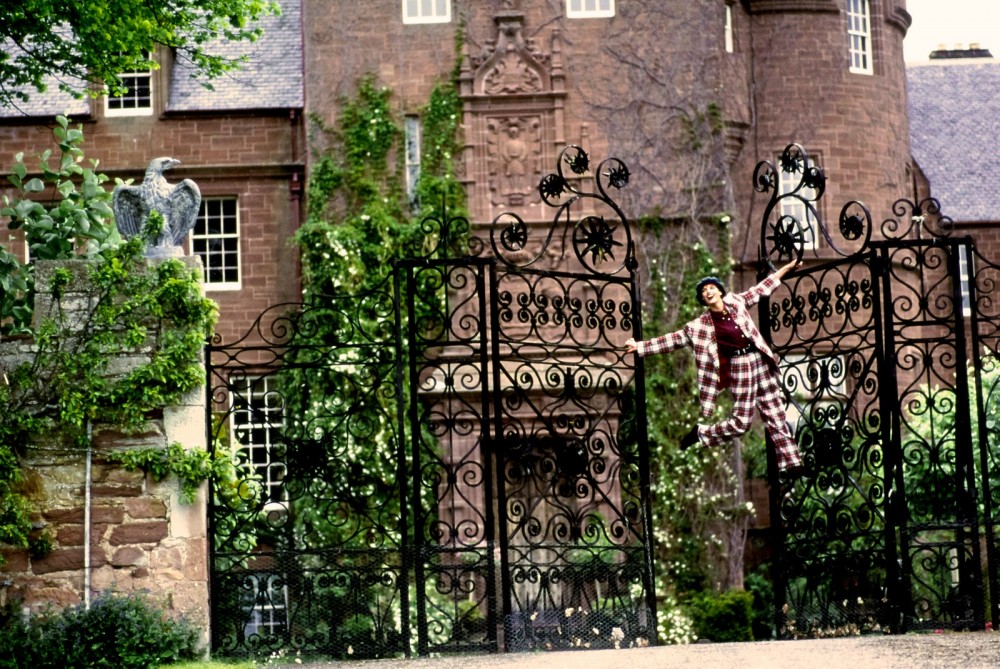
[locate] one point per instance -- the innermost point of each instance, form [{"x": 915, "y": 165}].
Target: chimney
[{"x": 974, "y": 50}]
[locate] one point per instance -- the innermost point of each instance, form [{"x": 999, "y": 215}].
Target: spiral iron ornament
[{"x": 601, "y": 241}]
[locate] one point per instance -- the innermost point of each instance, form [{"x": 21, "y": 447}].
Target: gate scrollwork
[
  {"x": 449, "y": 462},
  {"x": 888, "y": 349}
]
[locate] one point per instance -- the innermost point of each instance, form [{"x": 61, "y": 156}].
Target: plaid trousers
[{"x": 755, "y": 386}]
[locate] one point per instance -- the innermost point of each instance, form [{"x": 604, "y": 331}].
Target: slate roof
[
  {"x": 48, "y": 104},
  {"x": 272, "y": 79},
  {"x": 954, "y": 109}
]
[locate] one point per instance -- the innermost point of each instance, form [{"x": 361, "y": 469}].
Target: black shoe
[
  {"x": 794, "y": 472},
  {"x": 690, "y": 439}
]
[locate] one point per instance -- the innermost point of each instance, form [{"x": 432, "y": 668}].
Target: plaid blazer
[{"x": 699, "y": 334}]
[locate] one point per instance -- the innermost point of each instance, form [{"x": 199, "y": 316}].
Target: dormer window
[{"x": 137, "y": 100}]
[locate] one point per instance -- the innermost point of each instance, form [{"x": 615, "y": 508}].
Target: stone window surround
[
  {"x": 859, "y": 36},
  {"x": 139, "y": 105},
  {"x": 266, "y": 606},
  {"x": 788, "y": 206},
  {"x": 255, "y": 424},
  {"x": 728, "y": 31}
]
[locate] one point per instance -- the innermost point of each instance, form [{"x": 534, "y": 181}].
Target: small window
[
  {"x": 216, "y": 239},
  {"x": 412, "y": 135},
  {"x": 589, "y": 9},
  {"x": 859, "y": 36},
  {"x": 426, "y": 11},
  {"x": 729, "y": 29},
  {"x": 794, "y": 206},
  {"x": 258, "y": 417},
  {"x": 137, "y": 100}
]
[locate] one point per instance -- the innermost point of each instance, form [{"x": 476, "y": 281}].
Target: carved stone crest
[
  {"x": 513, "y": 93},
  {"x": 514, "y": 158},
  {"x": 511, "y": 65}
]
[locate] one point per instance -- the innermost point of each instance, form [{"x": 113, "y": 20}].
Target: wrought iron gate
[
  {"x": 890, "y": 360},
  {"x": 452, "y": 462}
]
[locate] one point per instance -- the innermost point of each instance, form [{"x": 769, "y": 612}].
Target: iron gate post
[
  {"x": 898, "y": 602},
  {"x": 979, "y": 350},
  {"x": 970, "y": 570}
]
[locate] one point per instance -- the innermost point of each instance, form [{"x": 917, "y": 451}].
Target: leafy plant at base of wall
[
  {"x": 723, "y": 617},
  {"x": 151, "y": 314},
  {"x": 116, "y": 632}
]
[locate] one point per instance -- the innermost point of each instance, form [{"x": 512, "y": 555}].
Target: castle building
[{"x": 619, "y": 77}]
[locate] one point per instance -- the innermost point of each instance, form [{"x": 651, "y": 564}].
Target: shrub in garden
[
  {"x": 116, "y": 632},
  {"x": 723, "y": 616}
]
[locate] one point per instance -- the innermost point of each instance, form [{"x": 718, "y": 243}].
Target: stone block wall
[{"x": 110, "y": 529}]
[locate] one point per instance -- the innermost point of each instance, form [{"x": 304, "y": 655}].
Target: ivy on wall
[
  {"x": 65, "y": 377},
  {"x": 360, "y": 221}
]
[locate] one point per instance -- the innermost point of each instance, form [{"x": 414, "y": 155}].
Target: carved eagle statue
[{"x": 177, "y": 203}]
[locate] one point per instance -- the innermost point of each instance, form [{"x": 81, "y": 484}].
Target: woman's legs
[{"x": 754, "y": 387}]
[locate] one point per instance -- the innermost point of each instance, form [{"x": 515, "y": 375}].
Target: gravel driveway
[{"x": 973, "y": 650}]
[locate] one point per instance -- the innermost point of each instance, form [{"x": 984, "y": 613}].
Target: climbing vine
[
  {"x": 192, "y": 467},
  {"x": 64, "y": 377},
  {"x": 360, "y": 222}
]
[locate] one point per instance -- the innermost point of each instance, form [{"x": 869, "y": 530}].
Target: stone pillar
[{"x": 141, "y": 535}]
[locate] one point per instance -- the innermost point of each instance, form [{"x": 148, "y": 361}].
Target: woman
[{"x": 730, "y": 352}]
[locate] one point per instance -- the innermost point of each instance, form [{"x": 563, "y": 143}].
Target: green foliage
[
  {"x": 150, "y": 313},
  {"x": 673, "y": 624},
  {"x": 15, "y": 294},
  {"x": 358, "y": 213},
  {"x": 65, "y": 213},
  {"x": 214, "y": 665},
  {"x": 132, "y": 304},
  {"x": 928, "y": 441},
  {"x": 759, "y": 585},
  {"x": 723, "y": 617},
  {"x": 40, "y": 546},
  {"x": 700, "y": 126},
  {"x": 15, "y": 512},
  {"x": 359, "y": 224},
  {"x": 355, "y": 204},
  {"x": 116, "y": 632},
  {"x": 87, "y": 44},
  {"x": 341, "y": 423}
]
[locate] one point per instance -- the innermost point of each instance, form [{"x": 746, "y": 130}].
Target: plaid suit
[{"x": 754, "y": 375}]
